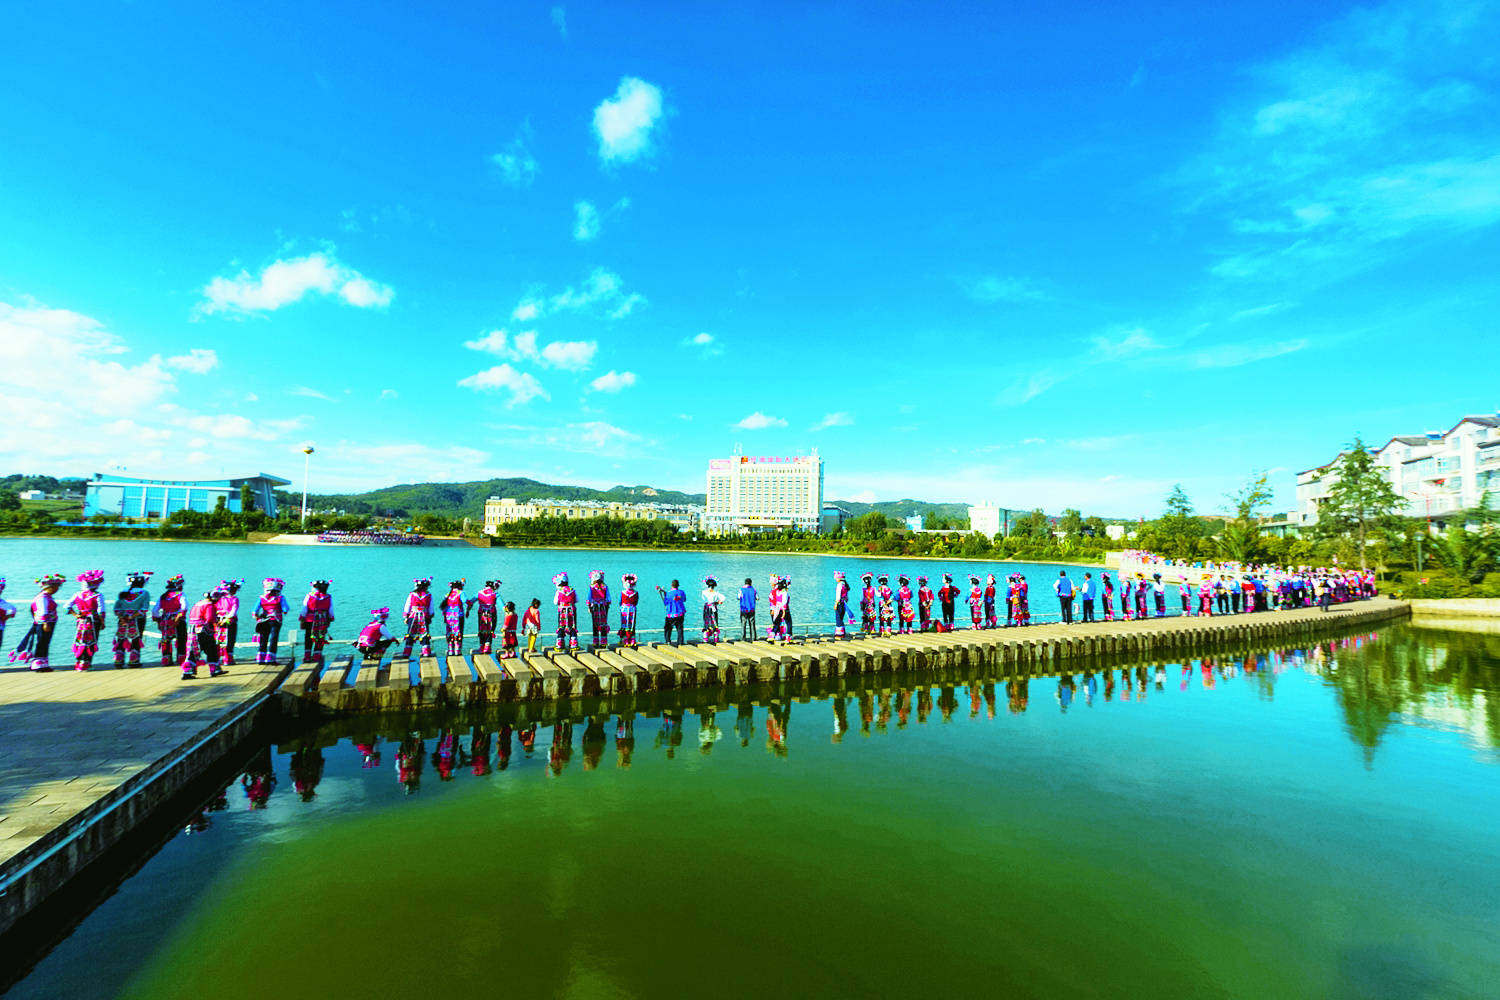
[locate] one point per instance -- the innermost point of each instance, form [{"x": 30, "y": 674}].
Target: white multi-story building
[
  {"x": 988, "y": 520},
  {"x": 747, "y": 494},
  {"x": 507, "y": 510},
  {"x": 1436, "y": 473}
]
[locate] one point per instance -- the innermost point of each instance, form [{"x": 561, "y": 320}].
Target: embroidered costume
[
  {"x": 904, "y": 614},
  {"x": 132, "y": 605},
  {"x": 947, "y": 598},
  {"x": 566, "y": 600},
  {"x": 1109, "y": 597},
  {"x": 486, "y": 604},
  {"x": 990, "y": 621},
  {"x": 170, "y": 616},
  {"x": 202, "y": 646},
  {"x": 599, "y": 608},
  {"x": 87, "y": 606},
  {"x": 317, "y": 615},
  {"x": 976, "y": 602},
  {"x": 455, "y": 609},
  {"x": 711, "y": 601},
  {"x": 924, "y": 603},
  {"x": 885, "y": 605},
  {"x": 866, "y": 605},
  {"x": 417, "y": 614},
  {"x": 227, "y": 620},
  {"x": 629, "y": 598},
  {"x": 36, "y": 645},
  {"x": 840, "y": 604},
  {"x": 270, "y": 611},
  {"x": 376, "y": 637}
]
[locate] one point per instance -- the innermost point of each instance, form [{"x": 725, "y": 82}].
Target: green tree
[
  {"x": 1240, "y": 537},
  {"x": 1094, "y": 526},
  {"x": 247, "y": 498},
  {"x": 1071, "y": 523},
  {"x": 1359, "y": 503},
  {"x": 10, "y": 500},
  {"x": 867, "y": 527}
]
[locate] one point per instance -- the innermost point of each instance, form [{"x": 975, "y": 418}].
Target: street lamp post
[{"x": 307, "y": 451}]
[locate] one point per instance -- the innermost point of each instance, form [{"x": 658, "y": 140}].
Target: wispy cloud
[
  {"x": 624, "y": 123},
  {"x": 560, "y": 21},
  {"x": 1257, "y": 312},
  {"x": 1234, "y": 355},
  {"x": 571, "y": 355},
  {"x": 705, "y": 343},
  {"x": 833, "y": 420},
  {"x": 758, "y": 421},
  {"x": 602, "y": 293},
  {"x": 517, "y": 166},
  {"x": 1126, "y": 343},
  {"x": 996, "y": 288},
  {"x": 198, "y": 361},
  {"x": 520, "y": 387},
  {"x": 613, "y": 381},
  {"x": 1027, "y": 387},
  {"x": 310, "y": 393},
  {"x": 285, "y": 282},
  {"x": 585, "y": 221}
]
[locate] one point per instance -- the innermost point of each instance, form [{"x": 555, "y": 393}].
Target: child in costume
[
  {"x": 1159, "y": 595},
  {"x": 840, "y": 603},
  {"x": 976, "y": 603},
  {"x": 227, "y": 620},
  {"x": 87, "y": 606},
  {"x": 376, "y": 637},
  {"x": 599, "y": 608},
  {"x": 487, "y": 602},
  {"x": 531, "y": 623},
  {"x": 885, "y": 605},
  {"x": 454, "y": 609},
  {"x": 1185, "y": 591},
  {"x": 270, "y": 611},
  {"x": 1109, "y": 597},
  {"x": 629, "y": 599},
  {"x": 990, "y": 621},
  {"x": 170, "y": 616},
  {"x": 566, "y": 600},
  {"x": 131, "y": 607},
  {"x": 904, "y": 614},
  {"x": 947, "y": 598},
  {"x": 777, "y": 601},
  {"x": 866, "y": 604},
  {"x": 1206, "y": 597},
  {"x": 202, "y": 648},
  {"x": 924, "y": 603},
  {"x": 508, "y": 632},
  {"x": 711, "y": 601},
  {"x": 36, "y": 645},
  {"x": 1141, "y": 586},
  {"x": 317, "y": 615},
  {"x": 417, "y": 613},
  {"x": 1023, "y": 600}
]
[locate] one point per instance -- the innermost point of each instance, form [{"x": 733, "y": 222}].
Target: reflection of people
[
  {"x": 840, "y": 718},
  {"x": 409, "y": 763},
  {"x": 947, "y": 702},
  {"x": 259, "y": 780},
  {"x": 527, "y": 737},
  {"x": 744, "y": 722},
  {"x": 1017, "y": 694},
  {"x": 708, "y": 732},
  {"x": 479, "y": 751},
  {"x": 307, "y": 770},
  {"x": 562, "y": 747},
  {"x": 445, "y": 753},
  {"x": 369, "y": 750},
  {"x": 624, "y": 740},
  {"x": 593, "y": 741},
  {"x": 1065, "y": 688},
  {"x": 502, "y": 747},
  {"x": 778, "y": 719}
]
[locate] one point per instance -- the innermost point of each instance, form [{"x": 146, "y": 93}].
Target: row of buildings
[
  {"x": 147, "y": 501},
  {"x": 1437, "y": 474}
]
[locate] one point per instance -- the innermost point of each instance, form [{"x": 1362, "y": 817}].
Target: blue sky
[{"x": 969, "y": 252}]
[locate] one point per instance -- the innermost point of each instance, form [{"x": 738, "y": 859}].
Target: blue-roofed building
[{"x": 149, "y": 500}]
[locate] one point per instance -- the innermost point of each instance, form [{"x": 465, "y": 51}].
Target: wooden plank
[
  {"x": 611, "y": 678},
  {"x": 303, "y": 679},
  {"x": 577, "y": 674},
  {"x": 366, "y": 676},
  {"x": 490, "y": 671},
  {"x": 333, "y": 676},
  {"x": 458, "y": 671},
  {"x": 633, "y": 672}
]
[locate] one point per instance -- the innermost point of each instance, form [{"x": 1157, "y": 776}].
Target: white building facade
[
  {"x": 988, "y": 520},
  {"x": 747, "y": 494},
  {"x": 1437, "y": 473},
  {"x": 507, "y": 510}
]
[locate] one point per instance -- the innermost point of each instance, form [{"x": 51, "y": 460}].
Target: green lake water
[{"x": 1312, "y": 822}]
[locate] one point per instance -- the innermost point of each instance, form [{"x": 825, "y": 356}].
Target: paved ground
[{"x": 69, "y": 739}]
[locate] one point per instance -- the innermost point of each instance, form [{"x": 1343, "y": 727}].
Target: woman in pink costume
[
  {"x": 455, "y": 608},
  {"x": 779, "y": 601},
  {"x": 629, "y": 599},
  {"x": 202, "y": 646},
  {"x": 375, "y": 638},
  {"x": 1109, "y": 597},
  {"x": 599, "y": 608},
  {"x": 566, "y": 600},
  {"x": 885, "y": 605},
  {"x": 317, "y": 615},
  {"x": 88, "y": 607},
  {"x": 924, "y": 604},
  {"x": 270, "y": 611},
  {"x": 1206, "y": 597},
  {"x": 976, "y": 602},
  {"x": 7, "y": 611},
  {"x": 132, "y": 605},
  {"x": 417, "y": 613},
  {"x": 487, "y": 605},
  {"x": 227, "y": 620},
  {"x": 866, "y": 603},
  {"x": 170, "y": 616},
  {"x": 35, "y": 647},
  {"x": 904, "y": 614}
]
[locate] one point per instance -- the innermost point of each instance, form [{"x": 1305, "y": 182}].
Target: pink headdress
[
  {"x": 92, "y": 578},
  {"x": 322, "y": 584},
  {"x": 379, "y": 613},
  {"x": 628, "y": 579},
  {"x": 421, "y": 581},
  {"x": 709, "y": 581},
  {"x": 271, "y": 583},
  {"x": 230, "y": 586},
  {"x": 990, "y": 578},
  {"x": 838, "y": 574},
  {"x": 595, "y": 575},
  {"x": 560, "y": 579},
  {"x": 921, "y": 579},
  {"x": 52, "y": 578}
]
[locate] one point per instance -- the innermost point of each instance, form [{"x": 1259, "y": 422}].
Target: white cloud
[
  {"x": 1027, "y": 387},
  {"x": 623, "y": 123},
  {"x": 593, "y": 437},
  {"x": 585, "y": 221},
  {"x": 703, "y": 339},
  {"x": 284, "y": 282},
  {"x": 994, "y": 288},
  {"x": 522, "y": 387},
  {"x": 705, "y": 343},
  {"x": 601, "y": 293},
  {"x": 309, "y": 392},
  {"x": 199, "y": 361},
  {"x": 571, "y": 355},
  {"x": 1234, "y": 355},
  {"x": 560, "y": 21},
  {"x": 517, "y": 166},
  {"x": 834, "y": 420},
  {"x": 388, "y": 394},
  {"x": 613, "y": 381},
  {"x": 758, "y": 421}
]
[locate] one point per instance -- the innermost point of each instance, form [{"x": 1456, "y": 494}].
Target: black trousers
[
  {"x": 747, "y": 624},
  {"x": 1088, "y": 609},
  {"x": 674, "y": 621},
  {"x": 1067, "y": 609}
]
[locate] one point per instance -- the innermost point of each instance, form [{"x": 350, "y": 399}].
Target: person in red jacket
[{"x": 947, "y": 598}]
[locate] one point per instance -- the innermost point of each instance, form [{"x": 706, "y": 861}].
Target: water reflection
[{"x": 1448, "y": 682}]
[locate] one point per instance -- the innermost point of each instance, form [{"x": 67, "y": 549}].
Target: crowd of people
[
  {"x": 369, "y": 537},
  {"x": 202, "y": 633}
]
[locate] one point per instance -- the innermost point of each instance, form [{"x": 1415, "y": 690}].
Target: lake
[{"x": 1289, "y": 822}]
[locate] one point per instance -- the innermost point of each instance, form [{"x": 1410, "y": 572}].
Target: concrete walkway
[{"x": 74, "y": 744}]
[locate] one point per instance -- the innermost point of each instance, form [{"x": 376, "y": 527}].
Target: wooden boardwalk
[
  {"x": 84, "y": 755},
  {"x": 348, "y": 684}
]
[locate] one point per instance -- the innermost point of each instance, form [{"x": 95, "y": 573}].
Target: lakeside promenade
[{"x": 85, "y": 759}]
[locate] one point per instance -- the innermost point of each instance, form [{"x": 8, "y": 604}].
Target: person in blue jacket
[
  {"x": 674, "y": 603},
  {"x": 747, "y": 610}
]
